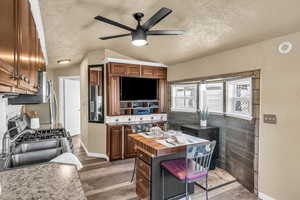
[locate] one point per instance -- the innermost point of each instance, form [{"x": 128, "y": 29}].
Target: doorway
[{"x": 69, "y": 88}]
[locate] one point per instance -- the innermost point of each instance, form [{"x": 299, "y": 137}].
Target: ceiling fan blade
[
  {"x": 103, "y": 19},
  {"x": 157, "y": 17},
  {"x": 165, "y": 32},
  {"x": 114, "y": 36}
]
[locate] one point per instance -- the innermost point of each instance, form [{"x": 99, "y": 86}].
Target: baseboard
[
  {"x": 264, "y": 196},
  {"x": 92, "y": 154}
]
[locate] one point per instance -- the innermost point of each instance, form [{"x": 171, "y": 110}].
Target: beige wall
[
  {"x": 93, "y": 135},
  {"x": 56, "y": 73},
  {"x": 84, "y": 102},
  {"x": 279, "y": 149}
]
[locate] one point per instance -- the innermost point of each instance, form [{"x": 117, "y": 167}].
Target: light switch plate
[{"x": 270, "y": 119}]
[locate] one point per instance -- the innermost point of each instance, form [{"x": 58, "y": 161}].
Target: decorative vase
[{"x": 203, "y": 123}]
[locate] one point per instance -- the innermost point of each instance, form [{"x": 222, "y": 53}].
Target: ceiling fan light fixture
[
  {"x": 139, "y": 38},
  {"x": 139, "y": 43}
]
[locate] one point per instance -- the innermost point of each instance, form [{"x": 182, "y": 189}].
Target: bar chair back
[{"x": 192, "y": 168}]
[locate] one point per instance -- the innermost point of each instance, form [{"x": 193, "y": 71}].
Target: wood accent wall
[{"x": 238, "y": 150}]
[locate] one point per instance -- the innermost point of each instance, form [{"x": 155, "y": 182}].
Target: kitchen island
[
  {"x": 151, "y": 151},
  {"x": 50, "y": 181}
]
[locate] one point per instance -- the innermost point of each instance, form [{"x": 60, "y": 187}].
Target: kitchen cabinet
[
  {"x": 133, "y": 70},
  {"x": 129, "y": 149},
  {"x": 154, "y": 72},
  {"x": 148, "y": 72},
  {"x": 113, "y": 101},
  {"x": 7, "y": 45},
  {"x": 119, "y": 145},
  {"x": 162, "y": 95},
  {"x": 123, "y": 69},
  {"x": 24, "y": 44},
  {"x": 34, "y": 68},
  {"x": 117, "y": 70},
  {"x": 114, "y": 140},
  {"x": 20, "y": 51}
]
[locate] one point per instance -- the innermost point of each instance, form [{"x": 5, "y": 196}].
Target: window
[
  {"x": 211, "y": 96},
  {"x": 239, "y": 98},
  {"x": 184, "y": 98}
]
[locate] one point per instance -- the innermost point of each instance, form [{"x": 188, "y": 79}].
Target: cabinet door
[
  {"x": 162, "y": 95},
  {"x": 8, "y": 41},
  {"x": 133, "y": 70},
  {"x": 41, "y": 61},
  {"x": 113, "y": 95},
  {"x": 33, "y": 56},
  {"x": 115, "y": 142},
  {"x": 128, "y": 144},
  {"x": 117, "y": 69},
  {"x": 161, "y": 72},
  {"x": 24, "y": 15},
  {"x": 148, "y": 72}
]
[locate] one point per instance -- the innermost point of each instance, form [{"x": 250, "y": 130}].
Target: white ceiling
[{"x": 211, "y": 26}]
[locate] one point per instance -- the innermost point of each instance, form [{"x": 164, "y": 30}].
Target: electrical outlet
[{"x": 270, "y": 119}]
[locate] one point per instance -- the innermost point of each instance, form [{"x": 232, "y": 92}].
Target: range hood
[{"x": 42, "y": 96}]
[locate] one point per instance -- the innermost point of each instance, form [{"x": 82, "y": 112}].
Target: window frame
[
  {"x": 225, "y": 97},
  {"x": 228, "y": 100},
  {"x": 200, "y": 103},
  {"x": 176, "y": 109}
]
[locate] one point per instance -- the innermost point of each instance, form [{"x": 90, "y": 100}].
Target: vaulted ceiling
[{"x": 211, "y": 26}]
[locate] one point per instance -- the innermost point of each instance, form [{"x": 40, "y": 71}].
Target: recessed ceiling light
[{"x": 64, "y": 61}]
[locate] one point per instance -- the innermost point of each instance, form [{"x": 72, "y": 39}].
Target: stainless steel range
[{"x": 24, "y": 146}]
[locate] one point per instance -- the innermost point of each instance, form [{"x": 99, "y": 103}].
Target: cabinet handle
[{"x": 14, "y": 76}]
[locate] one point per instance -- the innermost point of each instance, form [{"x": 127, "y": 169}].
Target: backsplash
[
  {"x": 136, "y": 118},
  {"x": 6, "y": 112}
]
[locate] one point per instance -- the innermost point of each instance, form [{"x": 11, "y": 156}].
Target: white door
[{"x": 72, "y": 106}]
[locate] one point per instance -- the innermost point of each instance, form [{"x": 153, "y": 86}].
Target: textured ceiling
[{"x": 211, "y": 26}]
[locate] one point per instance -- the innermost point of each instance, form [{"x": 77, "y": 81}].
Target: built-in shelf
[{"x": 137, "y": 107}]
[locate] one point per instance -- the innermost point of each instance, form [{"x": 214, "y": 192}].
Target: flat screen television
[{"x": 138, "y": 89}]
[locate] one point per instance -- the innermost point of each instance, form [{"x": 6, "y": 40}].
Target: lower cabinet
[
  {"x": 143, "y": 175},
  {"x": 129, "y": 149},
  {"x": 119, "y": 146},
  {"x": 142, "y": 186},
  {"x": 114, "y": 141}
]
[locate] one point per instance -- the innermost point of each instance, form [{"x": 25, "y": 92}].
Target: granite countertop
[{"x": 49, "y": 181}]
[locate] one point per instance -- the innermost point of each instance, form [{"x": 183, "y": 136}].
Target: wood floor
[{"x": 103, "y": 180}]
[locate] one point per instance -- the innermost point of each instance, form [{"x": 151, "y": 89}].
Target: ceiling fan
[{"x": 139, "y": 35}]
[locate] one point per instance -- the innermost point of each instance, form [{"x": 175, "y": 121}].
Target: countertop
[
  {"x": 49, "y": 181},
  {"x": 155, "y": 149}
]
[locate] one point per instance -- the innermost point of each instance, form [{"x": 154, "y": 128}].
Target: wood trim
[{"x": 254, "y": 73}]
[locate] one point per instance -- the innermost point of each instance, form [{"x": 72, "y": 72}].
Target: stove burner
[{"x": 43, "y": 134}]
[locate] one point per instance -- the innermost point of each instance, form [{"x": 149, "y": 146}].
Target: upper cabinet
[
  {"x": 20, "y": 51},
  {"x": 8, "y": 35},
  {"x": 134, "y": 70},
  {"x": 154, "y": 72},
  {"x": 123, "y": 69},
  {"x": 117, "y": 70}
]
